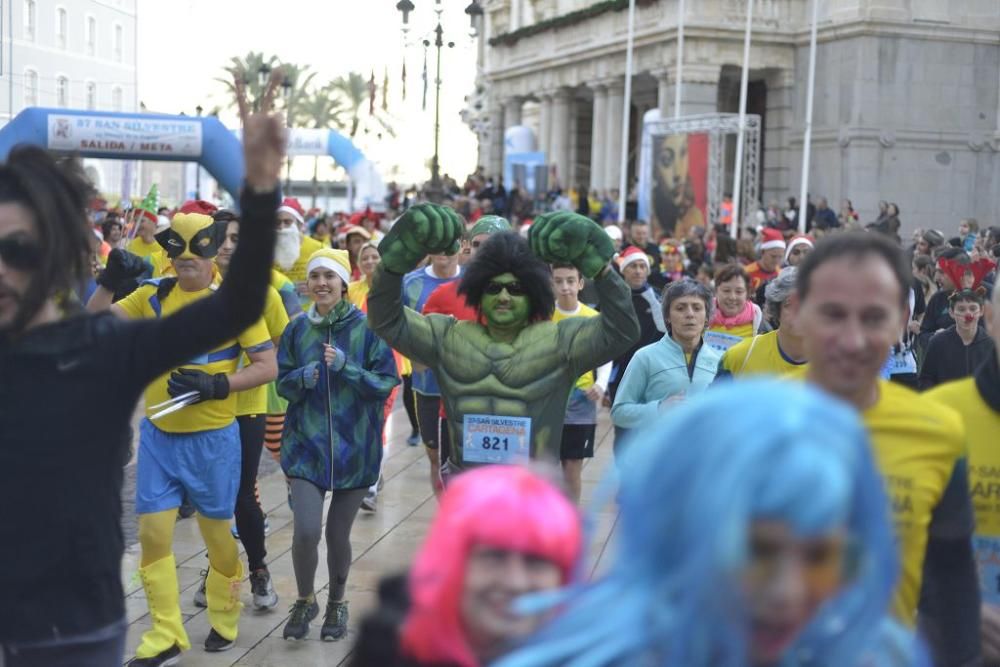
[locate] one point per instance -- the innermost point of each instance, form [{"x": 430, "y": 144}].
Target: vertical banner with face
[{"x": 679, "y": 183}]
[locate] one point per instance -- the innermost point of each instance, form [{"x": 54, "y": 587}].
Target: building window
[
  {"x": 61, "y": 27},
  {"x": 30, "y": 88},
  {"x": 30, "y": 19},
  {"x": 91, "y": 36},
  {"x": 116, "y": 98},
  {"x": 91, "y": 95},
  {"x": 119, "y": 38},
  {"x": 62, "y": 91}
]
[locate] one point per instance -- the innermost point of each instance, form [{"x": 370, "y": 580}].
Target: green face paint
[{"x": 505, "y": 310}]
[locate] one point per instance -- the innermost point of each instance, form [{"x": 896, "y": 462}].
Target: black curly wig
[{"x": 507, "y": 252}]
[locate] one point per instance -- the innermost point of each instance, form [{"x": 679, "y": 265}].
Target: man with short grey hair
[{"x": 776, "y": 352}]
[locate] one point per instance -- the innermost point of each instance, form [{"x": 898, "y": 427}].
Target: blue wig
[{"x": 690, "y": 486}]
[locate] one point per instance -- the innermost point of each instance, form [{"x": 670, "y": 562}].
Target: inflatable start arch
[{"x": 205, "y": 140}]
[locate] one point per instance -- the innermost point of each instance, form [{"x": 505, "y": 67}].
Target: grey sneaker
[
  {"x": 264, "y": 596},
  {"x": 368, "y": 502},
  {"x": 199, "y": 599},
  {"x": 297, "y": 626},
  {"x": 335, "y": 621}
]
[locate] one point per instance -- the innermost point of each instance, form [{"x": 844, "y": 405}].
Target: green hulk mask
[{"x": 505, "y": 381}]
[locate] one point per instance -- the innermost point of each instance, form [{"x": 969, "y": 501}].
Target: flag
[
  {"x": 423, "y": 105},
  {"x": 404, "y": 80},
  {"x": 372, "y": 89},
  {"x": 385, "y": 90}
]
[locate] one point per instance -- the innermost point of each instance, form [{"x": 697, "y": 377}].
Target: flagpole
[
  {"x": 626, "y": 113},
  {"x": 744, "y": 81},
  {"x": 807, "y": 138},
  {"x": 680, "y": 59}
]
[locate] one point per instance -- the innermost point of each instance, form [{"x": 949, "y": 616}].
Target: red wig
[{"x": 504, "y": 507}]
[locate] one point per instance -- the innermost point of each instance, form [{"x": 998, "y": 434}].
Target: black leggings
[
  {"x": 433, "y": 429},
  {"x": 249, "y": 515},
  {"x": 410, "y": 403}
]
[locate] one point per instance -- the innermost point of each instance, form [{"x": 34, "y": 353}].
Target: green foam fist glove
[
  {"x": 425, "y": 229},
  {"x": 563, "y": 236}
]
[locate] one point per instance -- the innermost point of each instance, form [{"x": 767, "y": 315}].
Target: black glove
[
  {"x": 122, "y": 267},
  {"x": 209, "y": 387}
]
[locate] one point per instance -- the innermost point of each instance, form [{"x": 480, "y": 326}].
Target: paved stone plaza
[{"x": 383, "y": 543}]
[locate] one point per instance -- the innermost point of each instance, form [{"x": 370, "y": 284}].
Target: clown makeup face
[
  {"x": 505, "y": 303},
  {"x": 635, "y": 274},
  {"x": 732, "y": 296},
  {"x": 494, "y": 579},
  {"x": 368, "y": 261},
  {"x": 966, "y": 315},
  {"x": 19, "y": 254},
  {"x": 325, "y": 287},
  {"x": 798, "y": 253},
  {"x": 785, "y": 581}
]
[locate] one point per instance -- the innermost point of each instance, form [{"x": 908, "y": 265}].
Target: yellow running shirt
[
  {"x": 139, "y": 247},
  {"x": 722, "y": 338},
  {"x": 206, "y": 415},
  {"x": 759, "y": 355},
  {"x": 917, "y": 444},
  {"x": 585, "y": 381},
  {"x": 253, "y": 401},
  {"x": 982, "y": 426}
]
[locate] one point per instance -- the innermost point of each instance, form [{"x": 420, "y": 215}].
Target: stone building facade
[{"x": 906, "y": 109}]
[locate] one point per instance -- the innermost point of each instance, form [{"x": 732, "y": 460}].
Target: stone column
[
  {"x": 699, "y": 90},
  {"x": 511, "y": 118},
  {"x": 560, "y": 135},
  {"x": 494, "y": 167},
  {"x": 545, "y": 125},
  {"x": 597, "y": 137},
  {"x": 781, "y": 161},
  {"x": 613, "y": 133}
]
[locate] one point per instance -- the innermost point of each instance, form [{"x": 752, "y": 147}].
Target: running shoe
[
  {"x": 335, "y": 621},
  {"x": 267, "y": 526},
  {"x": 199, "y": 599},
  {"x": 297, "y": 626},
  {"x": 264, "y": 596},
  {"x": 216, "y": 643},
  {"x": 234, "y": 531},
  {"x": 413, "y": 440},
  {"x": 368, "y": 502},
  {"x": 171, "y": 656}
]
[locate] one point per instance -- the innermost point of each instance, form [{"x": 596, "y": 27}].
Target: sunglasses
[
  {"x": 20, "y": 253},
  {"x": 513, "y": 288}
]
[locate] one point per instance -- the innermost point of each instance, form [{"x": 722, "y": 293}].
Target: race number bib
[
  {"x": 494, "y": 439},
  {"x": 988, "y": 564},
  {"x": 721, "y": 341}
]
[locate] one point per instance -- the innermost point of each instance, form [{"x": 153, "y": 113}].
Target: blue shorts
[{"x": 205, "y": 465}]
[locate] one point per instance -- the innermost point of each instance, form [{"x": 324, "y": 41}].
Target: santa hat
[
  {"x": 357, "y": 229},
  {"x": 292, "y": 207},
  {"x": 798, "y": 240},
  {"x": 198, "y": 206},
  {"x": 147, "y": 209},
  {"x": 632, "y": 254},
  {"x": 335, "y": 260},
  {"x": 771, "y": 238}
]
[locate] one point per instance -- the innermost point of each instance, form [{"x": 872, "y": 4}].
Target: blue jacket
[
  {"x": 350, "y": 398},
  {"x": 656, "y": 372}
]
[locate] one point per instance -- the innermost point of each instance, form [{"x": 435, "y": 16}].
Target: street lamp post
[
  {"x": 197, "y": 171},
  {"x": 474, "y": 11}
]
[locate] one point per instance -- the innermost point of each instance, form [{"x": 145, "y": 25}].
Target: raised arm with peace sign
[{"x": 263, "y": 135}]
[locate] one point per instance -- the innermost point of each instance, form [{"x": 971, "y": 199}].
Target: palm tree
[
  {"x": 247, "y": 67},
  {"x": 353, "y": 88},
  {"x": 320, "y": 108}
]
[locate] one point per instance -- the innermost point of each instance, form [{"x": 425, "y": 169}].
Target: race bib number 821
[{"x": 496, "y": 439}]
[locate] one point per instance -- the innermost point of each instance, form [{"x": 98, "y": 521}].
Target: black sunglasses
[
  {"x": 513, "y": 289},
  {"x": 20, "y": 253}
]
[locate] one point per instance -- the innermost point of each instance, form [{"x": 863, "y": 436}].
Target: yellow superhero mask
[{"x": 192, "y": 235}]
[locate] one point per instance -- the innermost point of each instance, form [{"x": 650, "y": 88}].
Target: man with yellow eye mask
[{"x": 189, "y": 442}]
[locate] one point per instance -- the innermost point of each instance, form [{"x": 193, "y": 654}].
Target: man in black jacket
[{"x": 70, "y": 385}]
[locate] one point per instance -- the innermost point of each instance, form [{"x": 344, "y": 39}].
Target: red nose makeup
[{"x": 969, "y": 319}]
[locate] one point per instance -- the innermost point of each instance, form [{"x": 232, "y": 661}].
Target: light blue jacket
[{"x": 656, "y": 372}]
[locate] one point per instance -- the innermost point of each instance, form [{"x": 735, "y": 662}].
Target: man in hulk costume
[{"x": 505, "y": 379}]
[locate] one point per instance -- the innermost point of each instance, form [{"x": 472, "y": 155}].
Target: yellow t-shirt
[
  {"x": 982, "y": 428},
  {"x": 357, "y": 294},
  {"x": 254, "y": 401},
  {"x": 585, "y": 381},
  {"x": 917, "y": 442},
  {"x": 722, "y": 338},
  {"x": 139, "y": 247},
  {"x": 206, "y": 415},
  {"x": 757, "y": 356}
]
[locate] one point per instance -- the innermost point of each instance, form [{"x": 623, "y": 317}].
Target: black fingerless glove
[{"x": 209, "y": 387}]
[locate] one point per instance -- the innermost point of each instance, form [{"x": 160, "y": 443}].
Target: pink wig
[{"x": 504, "y": 507}]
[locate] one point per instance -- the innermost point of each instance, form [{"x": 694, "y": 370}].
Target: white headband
[
  {"x": 329, "y": 263},
  {"x": 776, "y": 243},
  {"x": 292, "y": 212}
]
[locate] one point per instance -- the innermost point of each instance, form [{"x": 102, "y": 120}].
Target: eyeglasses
[
  {"x": 513, "y": 288},
  {"x": 20, "y": 253}
]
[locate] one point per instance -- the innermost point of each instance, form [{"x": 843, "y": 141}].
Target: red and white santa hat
[
  {"x": 771, "y": 238},
  {"x": 292, "y": 207},
  {"x": 632, "y": 254},
  {"x": 798, "y": 240}
]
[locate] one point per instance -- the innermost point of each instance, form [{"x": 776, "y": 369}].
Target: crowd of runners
[{"x": 806, "y": 442}]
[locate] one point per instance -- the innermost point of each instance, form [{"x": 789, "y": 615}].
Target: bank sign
[{"x": 131, "y": 137}]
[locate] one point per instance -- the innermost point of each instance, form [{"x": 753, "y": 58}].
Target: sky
[{"x": 184, "y": 44}]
